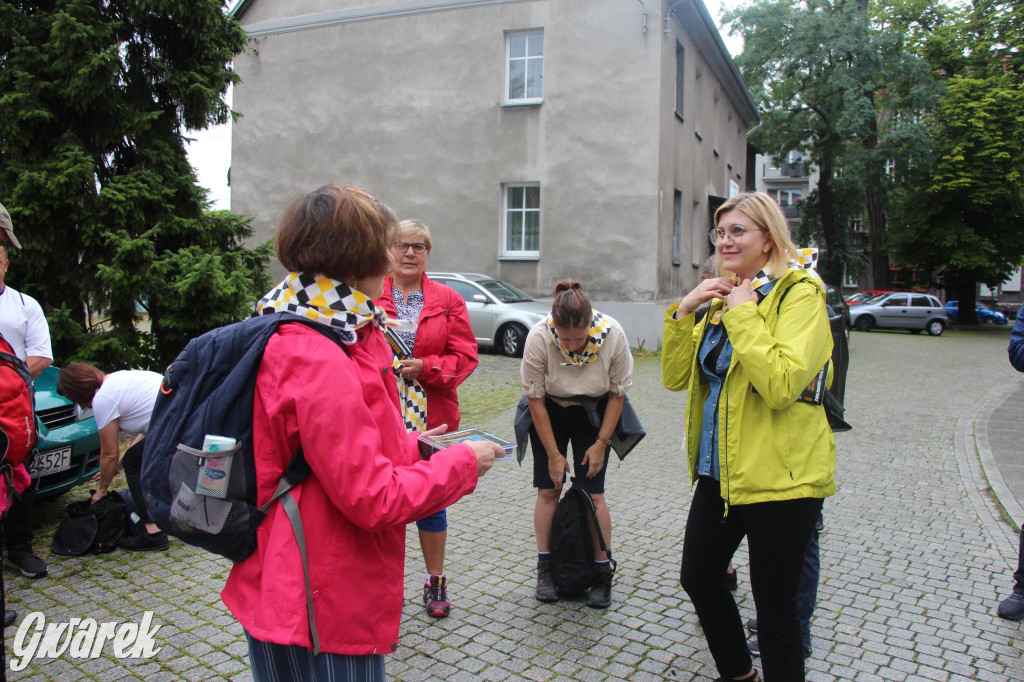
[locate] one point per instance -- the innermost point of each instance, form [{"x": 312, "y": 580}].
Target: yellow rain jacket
[{"x": 771, "y": 447}]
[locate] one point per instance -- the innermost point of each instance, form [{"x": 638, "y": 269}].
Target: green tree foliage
[
  {"x": 95, "y": 97},
  {"x": 838, "y": 84},
  {"x": 963, "y": 212}
]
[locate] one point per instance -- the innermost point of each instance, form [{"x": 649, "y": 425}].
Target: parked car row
[
  {"x": 900, "y": 310},
  {"x": 911, "y": 310}
]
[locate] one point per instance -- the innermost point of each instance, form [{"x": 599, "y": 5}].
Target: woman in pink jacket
[
  {"x": 444, "y": 353},
  {"x": 367, "y": 478}
]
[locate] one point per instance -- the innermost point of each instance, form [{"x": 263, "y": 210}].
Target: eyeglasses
[
  {"x": 735, "y": 233},
  {"x": 402, "y": 247}
]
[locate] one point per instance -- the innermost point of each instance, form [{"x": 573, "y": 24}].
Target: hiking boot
[
  {"x": 25, "y": 560},
  {"x": 435, "y": 596},
  {"x": 731, "y": 581},
  {"x": 601, "y": 590},
  {"x": 10, "y": 615},
  {"x": 545, "y": 582},
  {"x": 752, "y": 624},
  {"x": 144, "y": 542},
  {"x": 1012, "y": 608}
]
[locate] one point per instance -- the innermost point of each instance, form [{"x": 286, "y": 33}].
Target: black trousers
[
  {"x": 777, "y": 534},
  {"x": 1018, "y": 575},
  {"x": 132, "y": 465},
  {"x": 18, "y": 523}
]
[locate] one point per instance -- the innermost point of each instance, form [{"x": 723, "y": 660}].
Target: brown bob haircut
[
  {"x": 339, "y": 232},
  {"x": 571, "y": 308},
  {"x": 78, "y": 382}
]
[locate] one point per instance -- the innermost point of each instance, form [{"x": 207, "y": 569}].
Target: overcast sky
[{"x": 210, "y": 150}]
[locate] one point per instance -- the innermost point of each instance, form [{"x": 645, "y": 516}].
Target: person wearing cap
[{"x": 24, "y": 326}]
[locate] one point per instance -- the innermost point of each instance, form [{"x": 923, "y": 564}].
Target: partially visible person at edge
[
  {"x": 1012, "y": 608},
  {"x": 24, "y": 326},
  {"x": 762, "y": 460},
  {"x": 575, "y": 352},
  {"x": 444, "y": 354},
  {"x": 367, "y": 479},
  {"x": 120, "y": 401}
]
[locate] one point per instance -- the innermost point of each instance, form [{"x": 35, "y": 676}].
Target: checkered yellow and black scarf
[
  {"x": 599, "y": 328},
  {"x": 345, "y": 310},
  {"x": 805, "y": 259}
]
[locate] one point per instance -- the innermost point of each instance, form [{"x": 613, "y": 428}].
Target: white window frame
[
  {"x": 517, "y": 254},
  {"x": 530, "y": 33},
  {"x": 787, "y": 194}
]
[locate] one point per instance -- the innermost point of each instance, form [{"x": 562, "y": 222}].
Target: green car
[{"x": 69, "y": 445}]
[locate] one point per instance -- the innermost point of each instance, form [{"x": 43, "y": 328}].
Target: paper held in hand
[{"x": 431, "y": 444}]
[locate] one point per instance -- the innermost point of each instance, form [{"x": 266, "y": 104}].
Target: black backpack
[
  {"x": 831, "y": 398},
  {"x": 96, "y": 528},
  {"x": 572, "y": 552}
]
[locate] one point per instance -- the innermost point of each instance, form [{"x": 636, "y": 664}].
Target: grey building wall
[{"x": 407, "y": 99}]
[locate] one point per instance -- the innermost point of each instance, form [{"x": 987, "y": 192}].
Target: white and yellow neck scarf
[
  {"x": 805, "y": 259},
  {"x": 345, "y": 310},
  {"x": 599, "y": 328}
]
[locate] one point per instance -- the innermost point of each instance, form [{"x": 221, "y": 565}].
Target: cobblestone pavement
[{"x": 915, "y": 556}]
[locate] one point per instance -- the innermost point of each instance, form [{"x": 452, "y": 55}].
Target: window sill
[
  {"x": 520, "y": 256},
  {"x": 680, "y": 117},
  {"x": 523, "y": 103},
  {"x": 696, "y": 133}
]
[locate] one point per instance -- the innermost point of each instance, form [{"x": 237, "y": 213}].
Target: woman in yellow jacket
[{"x": 762, "y": 456}]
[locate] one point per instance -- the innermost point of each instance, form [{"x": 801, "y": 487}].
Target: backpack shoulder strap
[
  {"x": 320, "y": 328},
  {"x": 589, "y": 504}
]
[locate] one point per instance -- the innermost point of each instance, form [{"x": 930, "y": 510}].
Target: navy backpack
[{"x": 207, "y": 497}]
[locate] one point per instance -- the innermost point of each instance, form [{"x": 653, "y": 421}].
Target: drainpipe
[
  {"x": 668, "y": 17},
  {"x": 644, "y": 5},
  {"x": 754, "y": 129}
]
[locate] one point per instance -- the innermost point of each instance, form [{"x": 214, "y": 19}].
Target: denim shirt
[{"x": 714, "y": 366}]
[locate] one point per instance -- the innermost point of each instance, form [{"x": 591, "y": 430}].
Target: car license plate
[{"x": 51, "y": 462}]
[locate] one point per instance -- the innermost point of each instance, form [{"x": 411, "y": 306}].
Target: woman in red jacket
[
  {"x": 367, "y": 478},
  {"x": 444, "y": 353}
]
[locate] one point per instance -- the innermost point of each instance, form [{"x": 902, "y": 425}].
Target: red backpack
[{"x": 17, "y": 407}]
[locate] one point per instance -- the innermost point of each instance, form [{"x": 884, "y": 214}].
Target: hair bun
[{"x": 567, "y": 285}]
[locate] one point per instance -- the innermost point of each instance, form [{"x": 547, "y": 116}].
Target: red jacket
[
  {"x": 446, "y": 345},
  {"x": 367, "y": 484}
]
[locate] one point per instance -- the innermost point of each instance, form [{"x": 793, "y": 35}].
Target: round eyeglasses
[
  {"x": 735, "y": 233},
  {"x": 402, "y": 247}
]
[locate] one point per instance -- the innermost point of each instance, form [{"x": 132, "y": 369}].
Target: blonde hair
[
  {"x": 767, "y": 215},
  {"x": 414, "y": 228}
]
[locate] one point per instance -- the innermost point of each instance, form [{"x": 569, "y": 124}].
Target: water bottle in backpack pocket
[{"x": 205, "y": 499}]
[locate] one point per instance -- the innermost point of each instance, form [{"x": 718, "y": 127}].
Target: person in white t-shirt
[
  {"x": 120, "y": 401},
  {"x": 23, "y": 325}
]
